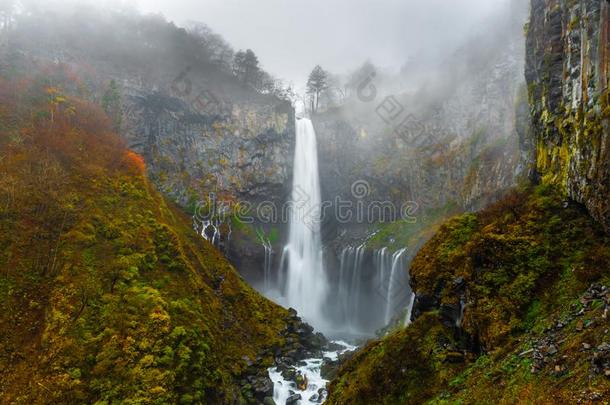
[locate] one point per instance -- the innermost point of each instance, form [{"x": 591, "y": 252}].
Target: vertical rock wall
[{"x": 567, "y": 71}]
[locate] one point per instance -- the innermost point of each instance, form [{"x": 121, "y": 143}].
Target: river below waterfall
[{"x": 285, "y": 390}]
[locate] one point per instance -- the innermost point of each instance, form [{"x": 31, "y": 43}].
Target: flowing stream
[{"x": 284, "y": 389}]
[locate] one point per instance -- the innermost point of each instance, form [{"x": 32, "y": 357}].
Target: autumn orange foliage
[
  {"x": 94, "y": 261},
  {"x": 136, "y": 161}
]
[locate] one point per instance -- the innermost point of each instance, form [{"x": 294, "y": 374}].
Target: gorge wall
[
  {"x": 512, "y": 301},
  {"x": 209, "y": 140},
  {"x": 568, "y": 68},
  {"x": 456, "y": 137}
]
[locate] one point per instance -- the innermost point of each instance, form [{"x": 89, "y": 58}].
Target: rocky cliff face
[
  {"x": 568, "y": 68},
  {"x": 210, "y": 142},
  {"x": 242, "y": 147},
  {"x": 235, "y": 151},
  {"x": 454, "y": 140}
]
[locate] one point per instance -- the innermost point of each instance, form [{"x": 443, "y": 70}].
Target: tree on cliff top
[
  {"x": 316, "y": 84},
  {"x": 246, "y": 68}
]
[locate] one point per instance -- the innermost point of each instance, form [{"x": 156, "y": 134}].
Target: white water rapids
[{"x": 283, "y": 389}]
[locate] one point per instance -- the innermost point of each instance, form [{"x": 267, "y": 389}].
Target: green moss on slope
[
  {"x": 106, "y": 293},
  {"x": 522, "y": 266}
]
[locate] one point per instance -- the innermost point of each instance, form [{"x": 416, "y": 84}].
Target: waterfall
[
  {"x": 380, "y": 264},
  {"x": 210, "y": 231},
  {"x": 460, "y": 319},
  {"x": 382, "y": 267},
  {"x": 356, "y": 287},
  {"x": 372, "y": 287},
  {"x": 306, "y": 285},
  {"x": 397, "y": 265},
  {"x": 410, "y": 310},
  {"x": 268, "y": 261},
  {"x": 343, "y": 295}
]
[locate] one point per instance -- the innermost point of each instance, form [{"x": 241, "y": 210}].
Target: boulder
[{"x": 293, "y": 399}]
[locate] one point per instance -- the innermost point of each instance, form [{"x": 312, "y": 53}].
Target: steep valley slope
[{"x": 106, "y": 293}]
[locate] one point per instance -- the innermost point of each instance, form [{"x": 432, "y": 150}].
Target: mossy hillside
[
  {"x": 508, "y": 254},
  {"x": 411, "y": 232},
  {"x": 106, "y": 293},
  {"x": 525, "y": 262},
  {"x": 401, "y": 368},
  {"x": 512, "y": 376}
]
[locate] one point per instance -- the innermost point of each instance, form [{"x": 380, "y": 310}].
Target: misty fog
[
  {"x": 281, "y": 202},
  {"x": 338, "y": 35}
]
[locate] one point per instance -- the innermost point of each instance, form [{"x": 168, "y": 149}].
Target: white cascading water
[
  {"x": 343, "y": 286},
  {"x": 397, "y": 266},
  {"x": 364, "y": 302},
  {"x": 410, "y": 310},
  {"x": 350, "y": 286},
  {"x": 306, "y": 285},
  {"x": 268, "y": 261}
]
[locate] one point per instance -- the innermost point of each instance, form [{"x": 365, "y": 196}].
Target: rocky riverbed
[
  {"x": 299, "y": 369},
  {"x": 305, "y": 381}
]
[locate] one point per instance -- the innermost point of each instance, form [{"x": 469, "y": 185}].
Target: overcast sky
[{"x": 292, "y": 36}]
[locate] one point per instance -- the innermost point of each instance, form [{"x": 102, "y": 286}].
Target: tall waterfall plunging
[
  {"x": 305, "y": 281},
  {"x": 347, "y": 296}
]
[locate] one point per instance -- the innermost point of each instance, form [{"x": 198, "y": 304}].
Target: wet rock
[
  {"x": 423, "y": 304},
  {"x": 450, "y": 314},
  {"x": 318, "y": 397},
  {"x": 262, "y": 387},
  {"x": 304, "y": 330},
  {"x": 289, "y": 374},
  {"x": 333, "y": 347},
  {"x": 293, "y": 399},
  {"x": 459, "y": 282},
  {"x": 329, "y": 369},
  {"x": 269, "y": 401},
  {"x": 289, "y": 361}
]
